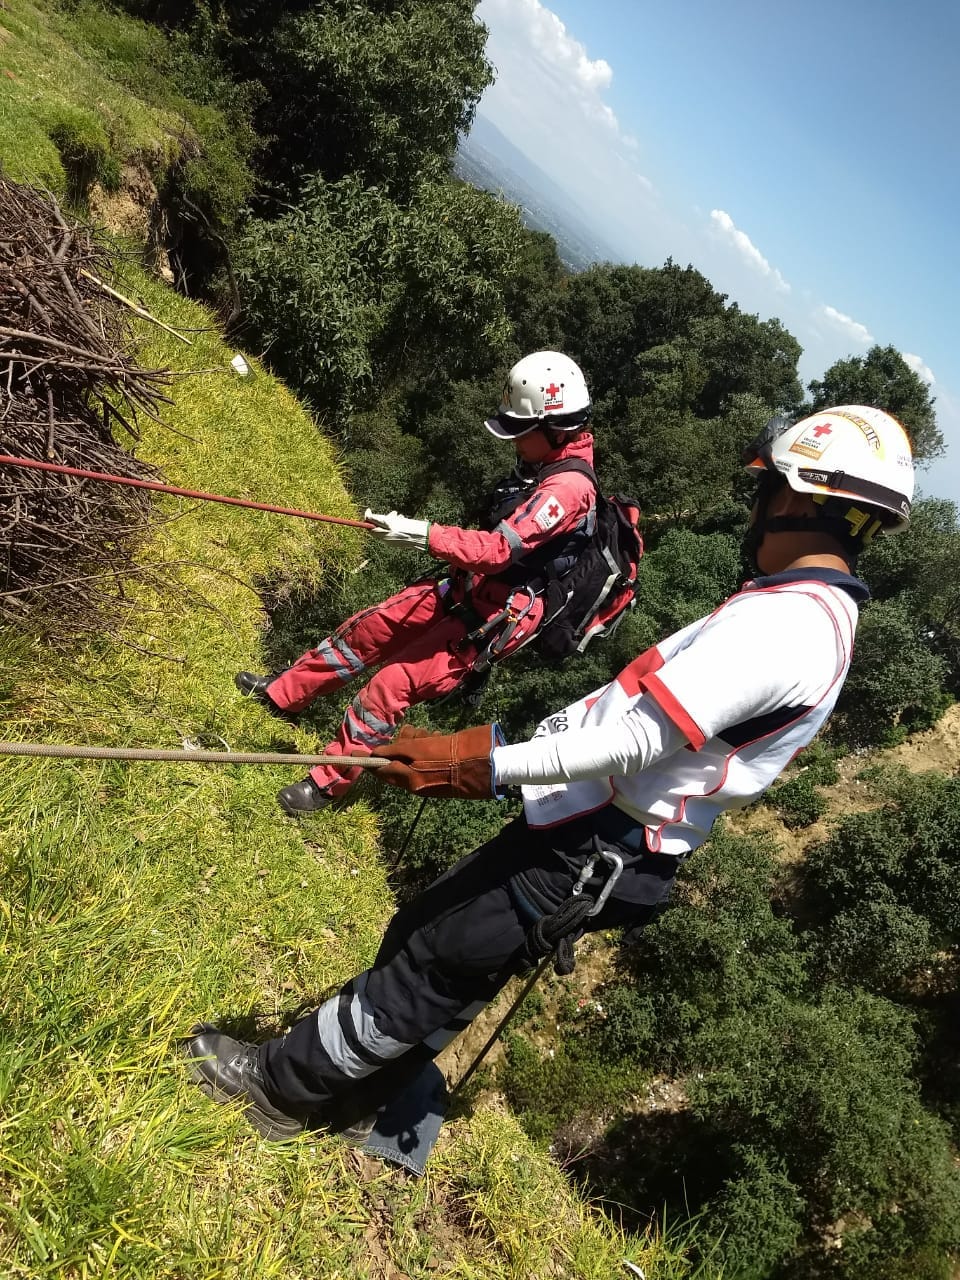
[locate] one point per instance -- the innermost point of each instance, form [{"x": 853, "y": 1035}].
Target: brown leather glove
[
  {"x": 456, "y": 764},
  {"x": 409, "y": 731}
]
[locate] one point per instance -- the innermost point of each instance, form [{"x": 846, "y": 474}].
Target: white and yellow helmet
[
  {"x": 545, "y": 389},
  {"x": 854, "y": 460}
]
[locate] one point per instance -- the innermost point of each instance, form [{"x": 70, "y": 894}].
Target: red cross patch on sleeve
[{"x": 548, "y": 513}]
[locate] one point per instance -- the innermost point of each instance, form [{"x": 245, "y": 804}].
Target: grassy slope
[
  {"x": 46, "y": 83},
  {"x": 136, "y": 898}
]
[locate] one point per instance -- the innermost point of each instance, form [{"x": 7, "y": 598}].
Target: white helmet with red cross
[
  {"x": 545, "y": 389},
  {"x": 853, "y": 457}
]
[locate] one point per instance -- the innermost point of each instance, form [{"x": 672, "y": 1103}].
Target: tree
[
  {"x": 610, "y": 314},
  {"x": 896, "y": 684},
  {"x": 533, "y": 296},
  {"x": 352, "y": 291},
  {"x": 380, "y": 90},
  {"x": 883, "y": 378},
  {"x": 685, "y": 577},
  {"x": 921, "y": 570}
]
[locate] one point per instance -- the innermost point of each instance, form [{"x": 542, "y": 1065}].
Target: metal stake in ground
[{"x": 407, "y": 838}]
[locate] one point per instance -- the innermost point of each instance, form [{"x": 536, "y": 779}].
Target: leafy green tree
[
  {"x": 921, "y": 570},
  {"x": 350, "y": 290},
  {"x": 896, "y": 684},
  {"x": 610, "y": 314},
  {"x": 681, "y": 467},
  {"x": 379, "y": 90},
  {"x": 883, "y": 378},
  {"x": 685, "y": 577},
  {"x": 743, "y": 355},
  {"x": 613, "y": 315},
  {"x": 827, "y": 1085},
  {"x": 533, "y": 296},
  {"x": 680, "y": 381}
]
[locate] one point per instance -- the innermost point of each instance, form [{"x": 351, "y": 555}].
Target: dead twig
[{"x": 68, "y": 379}]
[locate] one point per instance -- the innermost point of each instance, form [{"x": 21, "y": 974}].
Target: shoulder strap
[{"x": 570, "y": 464}]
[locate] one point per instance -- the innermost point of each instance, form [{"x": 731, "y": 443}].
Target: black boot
[
  {"x": 254, "y": 686},
  {"x": 303, "y": 797},
  {"x": 228, "y": 1070}
]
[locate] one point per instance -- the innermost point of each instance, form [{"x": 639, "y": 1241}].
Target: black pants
[{"x": 443, "y": 957}]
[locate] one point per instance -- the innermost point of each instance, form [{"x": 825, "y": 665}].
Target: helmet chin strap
[
  {"x": 846, "y": 527},
  {"x": 836, "y": 527}
]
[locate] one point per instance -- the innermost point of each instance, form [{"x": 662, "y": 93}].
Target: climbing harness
[
  {"x": 492, "y": 637},
  {"x": 157, "y": 487},
  {"x": 552, "y": 938},
  {"x": 587, "y": 583}
]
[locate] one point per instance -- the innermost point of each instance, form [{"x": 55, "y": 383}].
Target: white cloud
[
  {"x": 550, "y": 43},
  {"x": 747, "y": 250},
  {"x": 859, "y": 333},
  {"x": 919, "y": 367},
  {"x": 549, "y": 99},
  {"x": 532, "y": 46}
]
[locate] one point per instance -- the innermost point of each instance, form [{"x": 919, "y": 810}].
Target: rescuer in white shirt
[{"x": 618, "y": 789}]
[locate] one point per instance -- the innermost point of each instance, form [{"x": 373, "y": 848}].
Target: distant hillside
[{"x": 489, "y": 160}]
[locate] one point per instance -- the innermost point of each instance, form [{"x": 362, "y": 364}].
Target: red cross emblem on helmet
[{"x": 553, "y": 396}]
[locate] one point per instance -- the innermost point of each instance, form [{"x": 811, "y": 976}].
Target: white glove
[{"x": 398, "y": 529}]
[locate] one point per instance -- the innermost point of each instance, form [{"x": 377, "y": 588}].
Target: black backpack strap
[{"x": 570, "y": 464}]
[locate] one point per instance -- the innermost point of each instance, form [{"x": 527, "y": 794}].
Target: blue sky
[{"x": 805, "y": 158}]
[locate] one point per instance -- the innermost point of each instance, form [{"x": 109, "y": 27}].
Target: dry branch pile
[{"x": 66, "y": 383}]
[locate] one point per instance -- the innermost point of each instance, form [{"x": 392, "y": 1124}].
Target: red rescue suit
[{"x": 419, "y": 645}]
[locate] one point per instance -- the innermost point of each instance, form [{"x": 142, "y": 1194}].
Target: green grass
[
  {"x": 138, "y": 898},
  {"x": 85, "y": 91},
  {"x": 51, "y": 89}
]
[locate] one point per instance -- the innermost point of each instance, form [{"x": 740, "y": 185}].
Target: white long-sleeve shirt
[
  {"x": 704, "y": 721},
  {"x": 642, "y": 735}
]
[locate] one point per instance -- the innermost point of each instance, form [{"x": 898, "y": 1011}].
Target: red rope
[{"x": 180, "y": 493}]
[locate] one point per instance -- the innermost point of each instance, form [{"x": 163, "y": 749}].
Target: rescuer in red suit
[{"x": 429, "y": 637}]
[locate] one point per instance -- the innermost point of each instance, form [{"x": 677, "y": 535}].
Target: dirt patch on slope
[
  {"x": 934, "y": 750},
  {"x": 134, "y": 212}
]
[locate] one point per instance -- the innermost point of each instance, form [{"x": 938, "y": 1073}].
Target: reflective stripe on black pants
[{"x": 443, "y": 957}]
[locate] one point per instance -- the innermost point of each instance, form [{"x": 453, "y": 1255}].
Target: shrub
[
  {"x": 85, "y": 151},
  {"x": 758, "y": 1217},
  {"x": 551, "y": 1089},
  {"x": 877, "y": 944},
  {"x": 896, "y": 683},
  {"x": 798, "y": 802}
]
